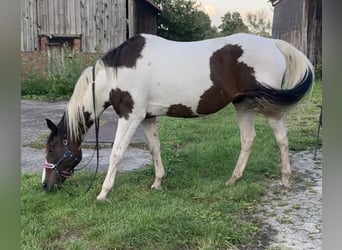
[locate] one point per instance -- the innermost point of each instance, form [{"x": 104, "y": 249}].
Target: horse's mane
[{"x": 75, "y": 120}]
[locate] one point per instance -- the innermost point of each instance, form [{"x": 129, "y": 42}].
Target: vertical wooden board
[
  {"x": 131, "y": 18},
  {"x": 84, "y": 27},
  {"x": 101, "y": 25},
  {"x": 97, "y": 19},
  {"x": 34, "y": 26},
  {"x": 304, "y": 33},
  {"x": 92, "y": 26},
  {"x": 51, "y": 17},
  {"x": 28, "y": 25},
  {"x": 23, "y": 27},
  {"x": 60, "y": 16},
  {"x": 78, "y": 16},
  {"x": 111, "y": 23},
  {"x": 120, "y": 22},
  {"x": 69, "y": 10},
  {"x": 42, "y": 16},
  {"x": 116, "y": 18},
  {"x": 39, "y": 16},
  {"x": 29, "y": 39},
  {"x": 105, "y": 26},
  {"x": 48, "y": 25}
]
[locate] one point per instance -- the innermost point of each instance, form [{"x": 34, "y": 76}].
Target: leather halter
[{"x": 67, "y": 155}]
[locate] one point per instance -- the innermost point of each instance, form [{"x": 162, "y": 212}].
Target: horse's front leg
[
  {"x": 124, "y": 134},
  {"x": 247, "y": 136}
]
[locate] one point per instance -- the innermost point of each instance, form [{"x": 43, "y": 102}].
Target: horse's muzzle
[{"x": 47, "y": 187}]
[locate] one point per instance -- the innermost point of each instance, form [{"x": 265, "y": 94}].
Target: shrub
[{"x": 60, "y": 81}]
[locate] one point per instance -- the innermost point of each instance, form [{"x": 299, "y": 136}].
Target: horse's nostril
[{"x": 45, "y": 187}]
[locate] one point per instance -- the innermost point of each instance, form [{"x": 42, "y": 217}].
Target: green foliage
[
  {"x": 258, "y": 24},
  {"x": 232, "y": 23},
  {"x": 303, "y": 121},
  {"x": 181, "y": 20},
  {"x": 59, "y": 84}
]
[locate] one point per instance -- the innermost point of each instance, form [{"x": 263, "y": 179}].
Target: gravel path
[
  {"x": 295, "y": 218},
  {"x": 292, "y": 220}
]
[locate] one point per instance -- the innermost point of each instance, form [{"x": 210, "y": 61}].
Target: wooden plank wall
[
  {"x": 287, "y": 22},
  {"x": 101, "y": 23},
  {"x": 29, "y": 26},
  {"x": 300, "y": 23}
]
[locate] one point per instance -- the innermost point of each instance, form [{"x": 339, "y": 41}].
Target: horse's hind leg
[
  {"x": 151, "y": 132},
  {"x": 247, "y": 136},
  {"x": 280, "y": 131},
  {"x": 124, "y": 134}
]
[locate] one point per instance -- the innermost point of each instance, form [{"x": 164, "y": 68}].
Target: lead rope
[{"x": 97, "y": 123}]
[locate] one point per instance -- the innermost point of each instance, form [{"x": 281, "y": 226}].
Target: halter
[{"x": 67, "y": 155}]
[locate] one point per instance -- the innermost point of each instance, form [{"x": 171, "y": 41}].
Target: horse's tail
[
  {"x": 297, "y": 81},
  {"x": 299, "y": 69}
]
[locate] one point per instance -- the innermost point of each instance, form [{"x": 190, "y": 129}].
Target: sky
[{"x": 217, "y": 8}]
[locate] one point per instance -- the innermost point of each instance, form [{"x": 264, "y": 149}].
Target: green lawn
[{"x": 194, "y": 211}]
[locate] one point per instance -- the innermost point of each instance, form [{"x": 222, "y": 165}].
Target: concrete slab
[{"x": 33, "y": 128}]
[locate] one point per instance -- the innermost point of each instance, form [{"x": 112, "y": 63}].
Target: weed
[
  {"x": 58, "y": 84},
  {"x": 297, "y": 206}
]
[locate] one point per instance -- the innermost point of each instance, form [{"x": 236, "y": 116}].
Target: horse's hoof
[
  {"x": 157, "y": 187},
  {"x": 230, "y": 183},
  {"x": 285, "y": 189},
  {"x": 101, "y": 197}
]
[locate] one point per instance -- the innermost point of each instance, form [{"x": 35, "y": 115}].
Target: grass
[{"x": 194, "y": 211}]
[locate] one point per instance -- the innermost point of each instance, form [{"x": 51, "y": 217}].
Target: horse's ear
[
  {"x": 52, "y": 126},
  {"x": 99, "y": 65}
]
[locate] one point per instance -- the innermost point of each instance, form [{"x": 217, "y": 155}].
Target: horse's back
[
  {"x": 258, "y": 52},
  {"x": 199, "y": 77}
]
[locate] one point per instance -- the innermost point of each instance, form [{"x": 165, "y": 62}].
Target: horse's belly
[{"x": 173, "y": 110}]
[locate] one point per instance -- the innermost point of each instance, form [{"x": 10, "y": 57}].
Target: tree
[
  {"x": 181, "y": 20},
  {"x": 232, "y": 23},
  {"x": 258, "y": 24}
]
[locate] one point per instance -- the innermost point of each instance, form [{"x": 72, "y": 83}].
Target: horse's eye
[{"x": 51, "y": 149}]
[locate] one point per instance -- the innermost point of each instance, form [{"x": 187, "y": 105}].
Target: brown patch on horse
[
  {"x": 149, "y": 115},
  {"x": 230, "y": 79},
  {"x": 180, "y": 110},
  {"x": 126, "y": 54},
  {"x": 122, "y": 102}
]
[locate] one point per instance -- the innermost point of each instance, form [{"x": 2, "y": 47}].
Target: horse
[{"x": 148, "y": 76}]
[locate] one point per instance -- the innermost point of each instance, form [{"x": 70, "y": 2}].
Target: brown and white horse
[{"x": 148, "y": 76}]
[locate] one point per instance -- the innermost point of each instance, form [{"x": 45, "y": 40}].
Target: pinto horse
[{"x": 148, "y": 76}]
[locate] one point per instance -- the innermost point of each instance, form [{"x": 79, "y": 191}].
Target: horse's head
[{"x": 62, "y": 156}]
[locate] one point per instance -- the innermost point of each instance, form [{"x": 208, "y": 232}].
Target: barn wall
[
  {"x": 145, "y": 18},
  {"x": 50, "y": 28},
  {"x": 287, "y": 22},
  {"x": 300, "y": 23},
  {"x": 101, "y": 24},
  {"x": 314, "y": 31},
  {"x": 29, "y": 26}
]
